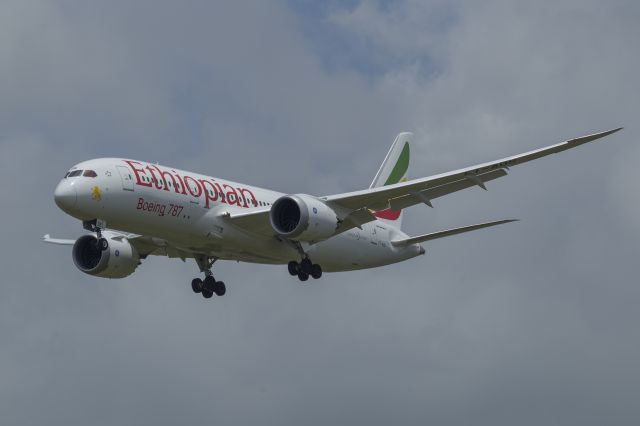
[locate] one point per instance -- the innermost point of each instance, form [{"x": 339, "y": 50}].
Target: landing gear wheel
[
  {"x": 306, "y": 265},
  {"x": 209, "y": 284},
  {"x": 103, "y": 244},
  {"x": 196, "y": 285},
  {"x": 294, "y": 268},
  {"x": 220, "y": 289},
  {"x": 316, "y": 271},
  {"x": 303, "y": 276}
]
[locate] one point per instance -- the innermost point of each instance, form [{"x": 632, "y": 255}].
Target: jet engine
[
  {"x": 303, "y": 218},
  {"x": 118, "y": 260}
]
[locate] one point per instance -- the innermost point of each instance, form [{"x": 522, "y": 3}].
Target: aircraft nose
[{"x": 65, "y": 195}]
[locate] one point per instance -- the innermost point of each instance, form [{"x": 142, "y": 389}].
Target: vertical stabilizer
[{"x": 394, "y": 169}]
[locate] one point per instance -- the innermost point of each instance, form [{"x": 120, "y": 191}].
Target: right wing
[
  {"x": 47, "y": 239},
  {"x": 144, "y": 245},
  {"x": 255, "y": 220}
]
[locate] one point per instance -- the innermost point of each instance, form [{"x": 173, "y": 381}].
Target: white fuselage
[{"x": 187, "y": 210}]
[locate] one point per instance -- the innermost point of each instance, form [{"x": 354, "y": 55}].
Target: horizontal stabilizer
[{"x": 447, "y": 233}]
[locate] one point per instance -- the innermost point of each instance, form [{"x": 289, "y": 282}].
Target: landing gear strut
[
  {"x": 209, "y": 286},
  {"x": 304, "y": 269},
  {"x": 97, "y": 225}
]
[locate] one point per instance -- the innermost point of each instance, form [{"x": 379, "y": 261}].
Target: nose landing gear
[{"x": 97, "y": 225}]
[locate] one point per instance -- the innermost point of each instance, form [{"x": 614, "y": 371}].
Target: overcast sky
[{"x": 529, "y": 323}]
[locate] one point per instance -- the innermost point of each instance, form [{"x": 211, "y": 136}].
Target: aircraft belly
[{"x": 352, "y": 250}]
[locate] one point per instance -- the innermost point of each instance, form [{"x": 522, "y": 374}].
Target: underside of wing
[{"x": 150, "y": 246}]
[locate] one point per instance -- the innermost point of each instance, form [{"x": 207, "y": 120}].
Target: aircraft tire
[
  {"x": 306, "y": 266},
  {"x": 220, "y": 289},
  {"x": 293, "y": 267},
  {"x": 303, "y": 276},
  {"x": 209, "y": 284},
  {"x": 207, "y": 294},
  {"x": 316, "y": 271},
  {"x": 196, "y": 285}
]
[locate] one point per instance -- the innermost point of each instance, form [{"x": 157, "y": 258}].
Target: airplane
[{"x": 134, "y": 209}]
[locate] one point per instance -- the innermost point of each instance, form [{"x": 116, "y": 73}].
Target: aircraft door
[{"x": 126, "y": 177}]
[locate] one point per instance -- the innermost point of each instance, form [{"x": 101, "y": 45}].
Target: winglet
[{"x": 593, "y": 137}]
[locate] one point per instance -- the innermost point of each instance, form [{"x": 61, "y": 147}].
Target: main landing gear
[
  {"x": 305, "y": 269},
  {"x": 209, "y": 286}
]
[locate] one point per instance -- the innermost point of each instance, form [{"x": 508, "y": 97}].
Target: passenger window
[{"x": 90, "y": 173}]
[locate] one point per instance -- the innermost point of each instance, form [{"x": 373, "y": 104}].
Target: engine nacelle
[
  {"x": 119, "y": 260},
  {"x": 303, "y": 218}
]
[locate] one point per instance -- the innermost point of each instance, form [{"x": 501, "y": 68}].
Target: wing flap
[
  {"x": 442, "y": 190},
  {"x": 357, "y": 218}
]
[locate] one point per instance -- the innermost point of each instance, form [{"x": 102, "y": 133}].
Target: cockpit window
[
  {"x": 89, "y": 173},
  {"x": 66, "y": 175},
  {"x": 74, "y": 173}
]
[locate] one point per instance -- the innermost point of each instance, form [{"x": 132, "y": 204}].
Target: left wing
[
  {"x": 438, "y": 185},
  {"x": 357, "y": 208}
]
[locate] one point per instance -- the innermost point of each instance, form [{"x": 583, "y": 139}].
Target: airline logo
[
  {"x": 153, "y": 176},
  {"x": 96, "y": 194}
]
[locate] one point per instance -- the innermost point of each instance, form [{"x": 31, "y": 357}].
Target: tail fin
[{"x": 394, "y": 169}]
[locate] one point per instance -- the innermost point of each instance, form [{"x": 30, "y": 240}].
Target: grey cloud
[{"x": 531, "y": 323}]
